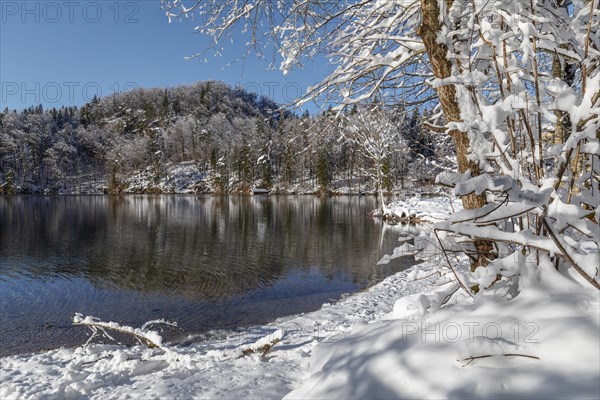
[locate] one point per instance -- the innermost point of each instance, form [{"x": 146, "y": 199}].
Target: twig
[
  {"x": 427, "y": 276},
  {"x": 449, "y": 296},
  {"x": 161, "y": 322},
  {"x": 568, "y": 256},
  {"x": 460, "y": 282},
  {"x": 473, "y": 358}
]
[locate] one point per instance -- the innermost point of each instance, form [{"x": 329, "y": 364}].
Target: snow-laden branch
[{"x": 149, "y": 337}]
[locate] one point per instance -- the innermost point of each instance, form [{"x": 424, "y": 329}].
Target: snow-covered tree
[{"x": 376, "y": 137}]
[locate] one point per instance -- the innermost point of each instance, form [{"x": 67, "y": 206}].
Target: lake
[{"x": 208, "y": 262}]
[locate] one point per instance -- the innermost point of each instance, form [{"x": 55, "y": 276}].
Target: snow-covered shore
[
  {"x": 413, "y": 335},
  {"x": 212, "y": 369},
  {"x": 188, "y": 178},
  {"x": 420, "y": 209}
]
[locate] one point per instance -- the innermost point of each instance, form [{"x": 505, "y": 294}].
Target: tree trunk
[
  {"x": 564, "y": 71},
  {"x": 442, "y": 68}
]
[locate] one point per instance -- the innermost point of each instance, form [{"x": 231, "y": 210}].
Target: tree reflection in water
[{"x": 206, "y": 261}]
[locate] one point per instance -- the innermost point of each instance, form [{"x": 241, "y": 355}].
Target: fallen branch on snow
[
  {"x": 264, "y": 344},
  {"x": 151, "y": 338},
  {"x": 263, "y": 349},
  {"x": 473, "y": 358}
]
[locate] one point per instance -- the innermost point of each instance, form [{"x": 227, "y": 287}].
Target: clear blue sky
[{"x": 63, "y": 52}]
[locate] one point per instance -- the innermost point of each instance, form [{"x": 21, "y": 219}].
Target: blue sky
[{"x": 63, "y": 52}]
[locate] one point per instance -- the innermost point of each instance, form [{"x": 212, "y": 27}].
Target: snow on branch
[{"x": 146, "y": 336}]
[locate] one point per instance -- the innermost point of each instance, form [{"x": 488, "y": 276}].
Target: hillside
[{"x": 202, "y": 138}]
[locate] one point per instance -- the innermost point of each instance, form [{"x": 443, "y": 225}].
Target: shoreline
[{"x": 273, "y": 375}]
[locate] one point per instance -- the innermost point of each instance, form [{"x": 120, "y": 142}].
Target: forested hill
[
  {"x": 162, "y": 106},
  {"x": 202, "y": 138}
]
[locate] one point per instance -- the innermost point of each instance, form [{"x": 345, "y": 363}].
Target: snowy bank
[
  {"x": 420, "y": 209},
  {"x": 214, "y": 368},
  {"x": 542, "y": 344}
]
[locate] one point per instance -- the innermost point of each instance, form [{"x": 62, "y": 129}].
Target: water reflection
[{"x": 205, "y": 261}]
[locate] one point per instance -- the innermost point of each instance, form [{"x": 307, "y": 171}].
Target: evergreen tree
[
  {"x": 244, "y": 166},
  {"x": 267, "y": 175},
  {"x": 324, "y": 170},
  {"x": 165, "y": 105},
  {"x": 10, "y": 182},
  {"x": 288, "y": 166},
  {"x": 214, "y": 157},
  {"x": 176, "y": 106}
]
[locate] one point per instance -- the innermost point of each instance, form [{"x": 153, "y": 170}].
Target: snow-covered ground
[
  {"x": 542, "y": 344},
  {"x": 421, "y": 209},
  {"x": 414, "y": 335},
  {"x": 188, "y": 178}
]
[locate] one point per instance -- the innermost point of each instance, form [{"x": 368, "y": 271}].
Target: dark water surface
[{"x": 208, "y": 262}]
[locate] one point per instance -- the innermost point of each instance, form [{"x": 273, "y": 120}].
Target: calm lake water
[{"x": 208, "y": 262}]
